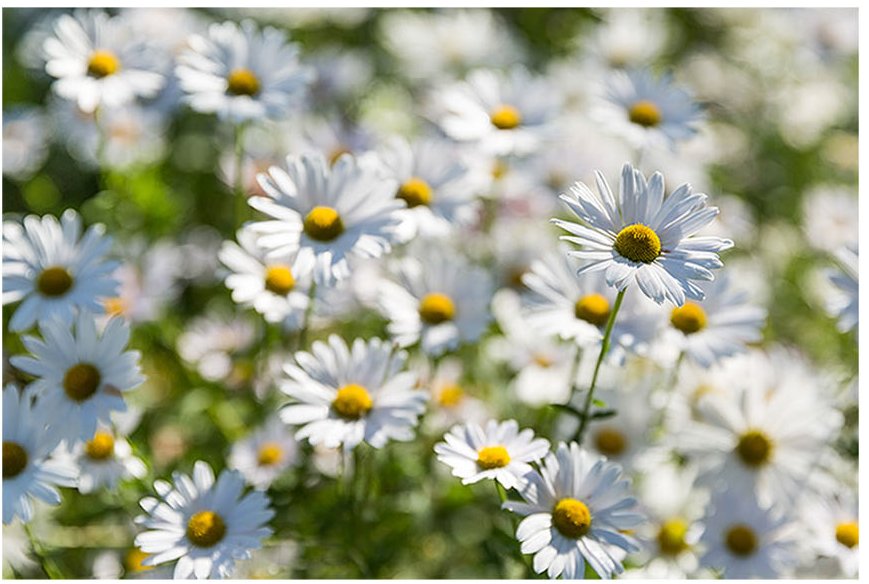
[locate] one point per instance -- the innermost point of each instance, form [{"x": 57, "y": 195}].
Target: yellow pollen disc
[
  {"x": 323, "y": 224},
  {"x": 14, "y": 459},
  {"x": 542, "y": 360},
  {"x": 754, "y": 448},
  {"x": 414, "y": 192},
  {"x": 336, "y": 154},
  {"x": 505, "y": 117},
  {"x": 671, "y": 537},
  {"x": 593, "y": 308},
  {"x": 352, "y": 402},
  {"x": 571, "y": 518},
  {"x": 54, "y": 281},
  {"x": 645, "y": 113},
  {"x": 133, "y": 560},
  {"x": 205, "y": 529},
  {"x": 279, "y": 279},
  {"x": 610, "y": 441},
  {"x": 242, "y": 81},
  {"x": 436, "y": 307},
  {"x": 101, "y": 447},
  {"x": 688, "y": 318},
  {"x": 450, "y": 395},
  {"x": 492, "y": 457},
  {"x": 741, "y": 540},
  {"x": 103, "y": 63},
  {"x": 81, "y": 381},
  {"x": 638, "y": 243},
  {"x": 847, "y": 534},
  {"x": 269, "y": 453},
  {"x": 115, "y": 306}
]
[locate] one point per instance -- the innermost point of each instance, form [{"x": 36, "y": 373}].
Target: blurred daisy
[
  {"x": 204, "y": 525},
  {"x": 81, "y": 374},
  {"x": 318, "y": 213},
  {"x": 16, "y": 551},
  {"x": 98, "y": 61},
  {"x": 25, "y": 142},
  {"x": 451, "y": 401},
  {"x": 54, "y": 270},
  {"x": 830, "y": 217},
  {"x": 843, "y": 302},
  {"x": 241, "y": 73},
  {"x": 27, "y": 470},
  {"x": 210, "y": 342},
  {"x": 498, "y": 451},
  {"x": 103, "y": 460},
  {"x": 345, "y": 395},
  {"x": 576, "y": 511},
  {"x": 628, "y": 38},
  {"x": 265, "y": 454},
  {"x": 833, "y": 530},
  {"x": 644, "y": 237}
]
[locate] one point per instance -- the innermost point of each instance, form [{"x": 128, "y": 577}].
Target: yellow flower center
[
  {"x": 741, "y": 540},
  {"x": 279, "y": 279},
  {"x": 592, "y": 308},
  {"x": 115, "y": 306},
  {"x": 571, "y": 518},
  {"x": 242, "y": 81},
  {"x": 415, "y": 192},
  {"x": 323, "y": 224},
  {"x": 499, "y": 169},
  {"x": 450, "y": 395},
  {"x": 847, "y": 534},
  {"x": 505, "y": 117},
  {"x": 610, "y": 441},
  {"x": 103, "y": 63},
  {"x": 754, "y": 448},
  {"x": 81, "y": 381},
  {"x": 205, "y": 529},
  {"x": 101, "y": 447},
  {"x": 14, "y": 459},
  {"x": 352, "y": 402},
  {"x": 638, "y": 243},
  {"x": 336, "y": 154},
  {"x": 688, "y": 318},
  {"x": 269, "y": 453},
  {"x": 492, "y": 457},
  {"x": 436, "y": 307},
  {"x": 645, "y": 113},
  {"x": 671, "y": 537},
  {"x": 54, "y": 281},
  {"x": 542, "y": 360},
  {"x": 133, "y": 560}
]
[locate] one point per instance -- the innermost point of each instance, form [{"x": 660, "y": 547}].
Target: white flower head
[
  {"x": 25, "y": 142},
  {"x": 265, "y": 454},
  {"x": 103, "y": 460},
  {"x": 210, "y": 342},
  {"x": 843, "y": 301},
  {"x": 833, "y": 530}
]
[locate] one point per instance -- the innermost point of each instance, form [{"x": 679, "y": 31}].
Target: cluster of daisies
[{"x": 678, "y": 444}]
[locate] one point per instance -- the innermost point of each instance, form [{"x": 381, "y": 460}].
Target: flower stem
[
  {"x": 51, "y": 569},
  {"x": 240, "y": 197},
  {"x": 303, "y": 333}
]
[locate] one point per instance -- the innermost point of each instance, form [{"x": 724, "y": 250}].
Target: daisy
[
  {"x": 27, "y": 470},
  {"x": 98, "y": 61},
  {"x": 103, "y": 460},
  {"x": 498, "y": 451},
  {"x": 81, "y": 375},
  {"x": 345, "y": 395},
  {"x": 54, "y": 270},
  {"x": 452, "y": 402},
  {"x": 204, "y": 525},
  {"x": 241, "y": 73},
  {"x": 577, "y": 510},
  {"x": 265, "y": 454},
  {"x": 319, "y": 213},
  {"x": 211, "y": 342},
  {"x": 644, "y": 237},
  {"x": 843, "y": 302},
  {"x": 25, "y": 142},
  {"x": 830, "y": 217},
  {"x": 833, "y": 530},
  {"x": 276, "y": 290}
]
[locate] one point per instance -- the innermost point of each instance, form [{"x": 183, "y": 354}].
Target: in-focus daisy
[
  {"x": 576, "y": 511},
  {"x": 241, "y": 73},
  {"x": 499, "y": 452},
  {"x": 204, "y": 525},
  {"x": 326, "y": 215},
  {"x": 346, "y": 395},
  {"x": 98, "y": 61},
  {"x": 53, "y": 269},
  {"x": 81, "y": 374},
  {"x": 27, "y": 470},
  {"x": 644, "y": 237},
  {"x": 265, "y": 454},
  {"x": 103, "y": 460},
  {"x": 832, "y": 526},
  {"x": 844, "y": 302}
]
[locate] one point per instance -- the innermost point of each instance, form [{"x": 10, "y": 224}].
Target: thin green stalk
[
  {"x": 240, "y": 196},
  {"x": 303, "y": 333},
  {"x": 670, "y": 389},
  {"x": 50, "y": 567}
]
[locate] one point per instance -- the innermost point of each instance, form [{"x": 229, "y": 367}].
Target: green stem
[
  {"x": 51, "y": 569},
  {"x": 303, "y": 333},
  {"x": 240, "y": 197},
  {"x": 670, "y": 389},
  {"x": 604, "y": 348},
  {"x": 501, "y": 492}
]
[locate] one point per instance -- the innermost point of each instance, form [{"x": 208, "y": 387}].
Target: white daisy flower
[
  {"x": 441, "y": 301},
  {"x": 204, "y": 525},
  {"x": 319, "y": 213},
  {"x": 644, "y": 237},
  {"x": 103, "y": 460},
  {"x": 265, "y": 454},
  {"x": 27, "y": 470},
  {"x": 452, "y": 402},
  {"x": 627, "y": 38},
  {"x": 16, "y": 551},
  {"x": 576, "y": 511},
  {"x": 830, "y": 217},
  {"x": 25, "y": 142},
  {"x": 54, "y": 270},
  {"x": 276, "y": 290},
  {"x": 833, "y": 530},
  {"x": 98, "y": 61},
  {"x": 844, "y": 301},
  {"x": 499, "y": 452},
  {"x": 210, "y": 343},
  {"x": 241, "y": 73},
  {"x": 81, "y": 375},
  {"x": 348, "y": 395}
]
